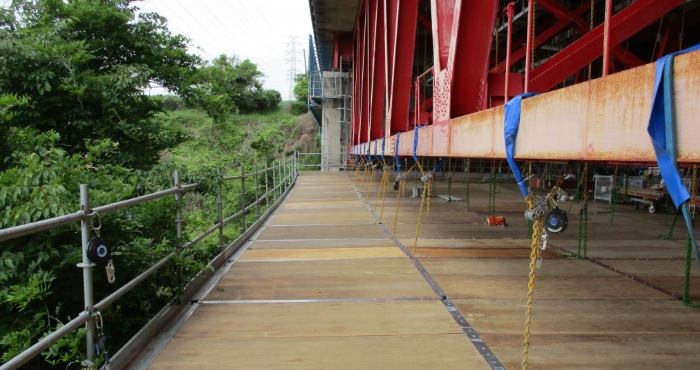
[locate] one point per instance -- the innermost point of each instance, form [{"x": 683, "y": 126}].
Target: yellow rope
[
  {"x": 402, "y": 186},
  {"x": 384, "y": 197},
  {"x": 381, "y": 185},
  {"x": 369, "y": 186},
  {"x": 364, "y": 171},
  {"x": 357, "y": 171}
]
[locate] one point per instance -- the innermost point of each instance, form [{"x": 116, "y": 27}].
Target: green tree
[
  {"x": 226, "y": 84},
  {"x": 301, "y": 92},
  {"x": 83, "y": 65}
]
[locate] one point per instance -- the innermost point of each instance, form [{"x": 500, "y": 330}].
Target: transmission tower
[{"x": 292, "y": 60}]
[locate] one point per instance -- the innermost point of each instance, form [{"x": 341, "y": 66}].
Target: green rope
[
  {"x": 578, "y": 187},
  {"x": 686, "y": 280},
  {"x": 615, "y": 194},
  {"x": 673, "y": 225},
  {"x": 585, "y": 233},
  {"x": 466, "y": 177},
  {"x": 580, "y": 230},
  {"x": 449, "y": 189}
]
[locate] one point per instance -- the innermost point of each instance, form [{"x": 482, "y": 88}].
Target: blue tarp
[
  {"x": 661, "y": 128},
  {"x": 511, "y": 124},
  {"x": 415, "y": 142},
  {"x": 383, "y": 139}
]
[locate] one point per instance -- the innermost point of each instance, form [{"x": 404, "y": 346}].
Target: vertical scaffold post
[
  {"x": 257, "y": 204},
  {"x": 243, "y": 228},
  {"x": 267, "y": 199},
  {"x": 178, "y": 212},
  {"x": 274, "y": 182},
  {"x": 220, "y": 212},
  {"x": 87, "y": 274}
]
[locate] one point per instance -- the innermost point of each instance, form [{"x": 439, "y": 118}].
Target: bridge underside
[
  {"x": 603, "y": 120},
  {"x": 324, "y": 286}
]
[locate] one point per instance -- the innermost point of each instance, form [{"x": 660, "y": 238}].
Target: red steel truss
[{"x": 466, "y": 79}]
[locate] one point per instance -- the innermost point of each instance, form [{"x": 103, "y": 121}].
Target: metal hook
[
  {"x": 101, "y": 324},
  {"x": 99, "y": 219}
]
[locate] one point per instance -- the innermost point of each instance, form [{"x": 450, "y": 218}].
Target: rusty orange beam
[{"x": 600, "y": 120}]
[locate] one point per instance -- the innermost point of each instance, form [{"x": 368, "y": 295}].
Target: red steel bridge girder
[
  {"x": 378, "y": 84},
  {"x": 401, "y": 31},
  {"x": 603, "y": 120},
  {"x": 585, "y": 50}
]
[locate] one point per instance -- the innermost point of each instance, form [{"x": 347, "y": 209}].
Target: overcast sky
[{"x": 259, "y": 30}]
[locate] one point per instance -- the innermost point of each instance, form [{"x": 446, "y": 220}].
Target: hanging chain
[
  {"x": 535, "y": 255},
  {"x": 536, "y": 252},
  {"x": 426, "y": 185}
]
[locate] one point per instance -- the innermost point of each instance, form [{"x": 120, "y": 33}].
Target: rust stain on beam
[{"x": 602, "y": 120}]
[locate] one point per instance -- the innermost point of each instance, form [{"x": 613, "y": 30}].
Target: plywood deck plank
[
  {"x": 296, "y": 320},
  {"x": 326, "y": 253},
  {"x": 418, "y": 352}
]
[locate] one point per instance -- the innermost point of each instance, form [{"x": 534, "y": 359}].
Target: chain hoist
[{"x": 536, "y": 213}]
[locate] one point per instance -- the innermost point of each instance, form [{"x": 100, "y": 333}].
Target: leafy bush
[{"x": 299, "y": 108}]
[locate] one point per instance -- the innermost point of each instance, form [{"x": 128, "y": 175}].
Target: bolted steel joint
[{"x": 427, "y": 177}]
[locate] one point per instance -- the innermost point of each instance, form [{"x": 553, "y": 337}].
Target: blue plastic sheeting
[
  {"x": 661, "y": 131},
  {"x": 396, "y": 152},
  {"x": 661, "y": 128},
  {"x": 511, "y": 125},
  {"x": 415, "y": 142}
]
